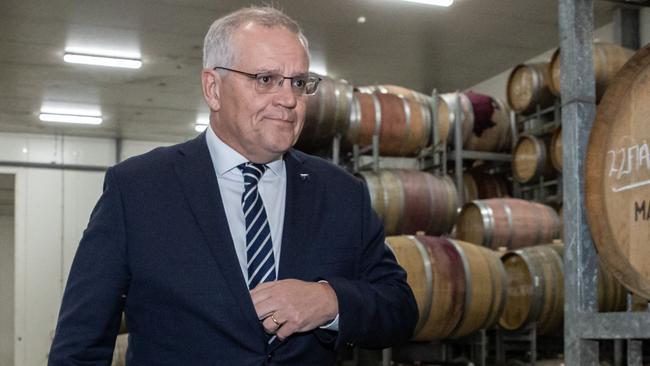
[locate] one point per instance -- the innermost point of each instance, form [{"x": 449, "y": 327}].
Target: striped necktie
[{"x": 259, "y": 246}]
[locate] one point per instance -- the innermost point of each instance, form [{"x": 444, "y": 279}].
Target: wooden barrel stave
[
  {"x": 410, "y": 201},
  {"x": 507, "y": 222},
  {"x": 608, "y": 60},
  {"x": 528, "y": 87},
  {"x": 496, "y": 138},
  {"x": 531, "y": 159},
  {"x": 555, "y": 148}
]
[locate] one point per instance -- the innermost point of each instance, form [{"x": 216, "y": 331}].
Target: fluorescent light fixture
[
  {"x": 200, "y": 128},
  {"x": 432, "y": 2},
  {"x": 70, "y": 118},
  {"x": 78, "y": 58}
]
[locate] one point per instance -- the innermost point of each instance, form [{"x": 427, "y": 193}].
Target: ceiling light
[
  {"x": 432, "y": 2},
  {"x": 78, "y": 58},
  {"x": 70, "y": 118},
  {"x": 200, "y": 128},
  {"x": 361, "y": 19}
]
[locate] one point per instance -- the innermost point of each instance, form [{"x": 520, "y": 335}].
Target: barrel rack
[{"x": 584, "y": 326}]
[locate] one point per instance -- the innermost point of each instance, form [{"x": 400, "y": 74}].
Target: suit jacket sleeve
[
  {"x": 95, "y": 294},
  {"x": 377, "y": 309}
]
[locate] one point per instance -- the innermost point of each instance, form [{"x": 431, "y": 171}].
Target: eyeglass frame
[{"x": 291, "y": 78}]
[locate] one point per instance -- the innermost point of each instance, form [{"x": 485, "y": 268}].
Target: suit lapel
[
  {"x": 196, "y": 174},
  {"x": 302, "y": 201}
]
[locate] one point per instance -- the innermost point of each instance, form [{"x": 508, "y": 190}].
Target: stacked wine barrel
[
  {"x": 409, "y": 201},
  {"x": 459, "y": 287},
  {"x": 457, "y": 108},
  {"x": 401, "y": 118},
  {"x": 328, "y": 114},
  {"x": 507, "y": 222},
  {"x": 535, "y": 290},
  {"x": 481, "y": 185},
  {"x": 608, "y": 60},
  {"x": 533, "y": 158}
]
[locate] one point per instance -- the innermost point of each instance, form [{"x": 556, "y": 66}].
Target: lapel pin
[{"x": 304, "y": 176}]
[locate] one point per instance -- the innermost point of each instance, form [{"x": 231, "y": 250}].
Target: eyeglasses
[{"x": 267, "y": 83}]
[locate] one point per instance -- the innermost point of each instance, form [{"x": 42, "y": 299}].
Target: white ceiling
[{"x": 407, "y": 44}]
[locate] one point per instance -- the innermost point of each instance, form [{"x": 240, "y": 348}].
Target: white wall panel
[
  {"x": 132, "y": 147},
  {"x": 7, "y": 278},
  {"x": 88, "y": 151},
  {"x": 38, "y": 262}
]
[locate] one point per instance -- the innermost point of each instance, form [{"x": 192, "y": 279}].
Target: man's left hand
[{"x": 289, "y": 306}]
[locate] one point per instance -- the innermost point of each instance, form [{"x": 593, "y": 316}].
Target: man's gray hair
[{"x": 218, "y": 48}]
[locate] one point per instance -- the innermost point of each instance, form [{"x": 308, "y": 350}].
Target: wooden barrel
[
  {"x": 556, "y": 149},
  {"x": 608, "y": 60},
  {"x": 402, "y": 124},
  {"x": 496, "y": 138},
  {"x": 328, "y": 114},
  {"x": 531, "y": 160},
  {"x": 409, "y": 201},
  {"x": 436, "y": 275},
  {"x": 536, "y": 289},
  {"x": 507, "y": 222},
  {"x": 449, "y": 102},
  {"x": 486, "y": 284},
  {"x": 528, "y": 87},
  {"x": 459, "y": 287},
  {"x": 480, "y": 185},
  {"x": 617, "y": 175}
]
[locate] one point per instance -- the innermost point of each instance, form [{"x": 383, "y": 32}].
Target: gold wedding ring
[{"x": 275, "y": 320}]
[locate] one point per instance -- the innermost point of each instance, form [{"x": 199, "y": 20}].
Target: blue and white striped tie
[{"x": 259, "y": 246}]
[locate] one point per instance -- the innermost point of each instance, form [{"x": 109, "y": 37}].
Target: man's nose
[{"x": 285, "y": 95}]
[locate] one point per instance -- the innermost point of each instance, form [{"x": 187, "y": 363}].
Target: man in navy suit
[{"x": 233, "y": 248}]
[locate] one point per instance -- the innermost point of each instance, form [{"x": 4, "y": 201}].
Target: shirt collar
[{"x": 225, "y": 158}]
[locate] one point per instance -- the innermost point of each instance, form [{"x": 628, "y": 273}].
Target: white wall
[
  {"x": 7, "y": 285},
  {"x": 52, "y": 208}
]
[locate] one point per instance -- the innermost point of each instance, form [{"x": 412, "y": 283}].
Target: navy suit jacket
[{"x": 158, "y": 247}]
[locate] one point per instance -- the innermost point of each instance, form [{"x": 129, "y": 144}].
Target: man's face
[{"x": 262, "y": 126}]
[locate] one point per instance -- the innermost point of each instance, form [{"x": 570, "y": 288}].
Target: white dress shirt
[{"x": 272, "y": 188}]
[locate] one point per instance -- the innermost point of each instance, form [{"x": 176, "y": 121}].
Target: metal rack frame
[{"x": 584, "y": 326}]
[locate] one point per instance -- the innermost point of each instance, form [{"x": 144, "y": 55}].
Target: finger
[
  {"x": 265, "y": 308},
  {"x": 286, "y": 330},
  {"x": 269, "y": 326},
  {"x": 264, "y": 286}
]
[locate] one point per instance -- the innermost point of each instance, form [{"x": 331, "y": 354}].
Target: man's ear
[{"x": 211, "y": 86}]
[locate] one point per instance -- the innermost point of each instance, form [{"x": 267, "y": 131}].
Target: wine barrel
[
  {"x": 531, "y": 159},
  {"x": 617, "y": 175},
  {"x": 409, "y": 201},
  {"x": 437, "y": 277},
  {"x": 479, "y": 185},
  {"x": 496, "y": 138},
  {"x": 397, "y": 90},
  {"x": 528, "y": 87},
  {"x": 486, "y": 284},
  {"x": 449, "y": 102},
  {"x": 507, "y": 222},
  {"x": 535, "y": 290},
  {"x": 402, "y": 124},
  {"x": 459, "y": 287},
  {"x": 608, "y": 60},
  {"x": 328, "y": 114},
  {"x": 556, "y": 149}
]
